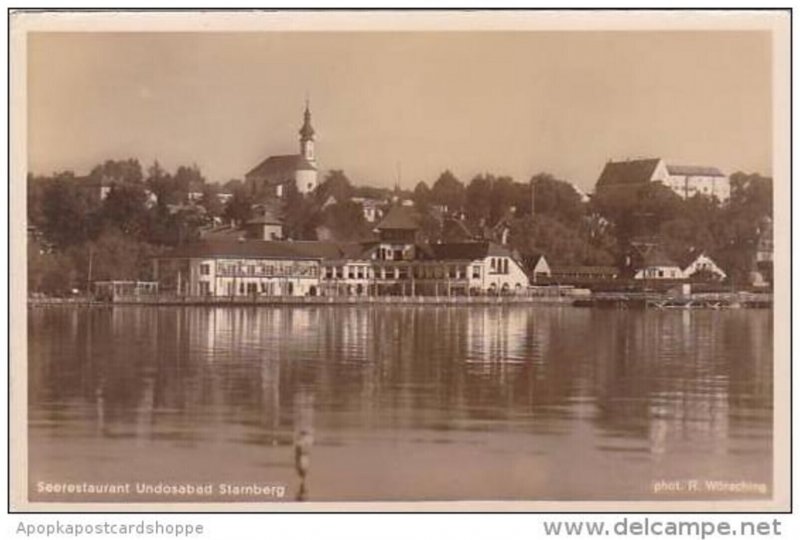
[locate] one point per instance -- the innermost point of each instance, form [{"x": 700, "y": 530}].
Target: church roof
[
  {"x": 628, "y": 172},
  {"x": 275, "y": 164}
]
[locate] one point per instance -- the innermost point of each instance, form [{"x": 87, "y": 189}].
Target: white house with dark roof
[
  {"x": 655, "y": 264},
  {"x": 271, "y": 177},
  {"x": 685, "y": 180},
  {"x": 698, "y": 263}
]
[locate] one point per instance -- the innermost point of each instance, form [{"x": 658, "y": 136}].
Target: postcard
[{"x": 521, "y": 260}]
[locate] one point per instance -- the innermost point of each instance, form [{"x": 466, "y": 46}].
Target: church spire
[{"x": 307, "y": 132}]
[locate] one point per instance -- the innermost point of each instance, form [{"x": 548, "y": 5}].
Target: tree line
[{"x": 77, "y": 236}]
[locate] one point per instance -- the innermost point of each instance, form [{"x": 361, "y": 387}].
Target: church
[{"x": 269, "y": 179}]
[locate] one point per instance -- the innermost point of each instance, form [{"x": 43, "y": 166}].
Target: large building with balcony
[{"x": 394, "y": 264}]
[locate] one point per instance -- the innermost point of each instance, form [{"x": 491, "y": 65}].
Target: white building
[
  {"x": 655, "y": 264},
  {"x": 238, "y": 268},
  {"x": 271, "y": 177},
  {"x": 702, "y": 263},
  {"x": 685, "y": 180}
]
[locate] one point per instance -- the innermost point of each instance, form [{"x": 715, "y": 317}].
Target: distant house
[
  {"x": 685, "y": 180},
  {"x": 655, "y": 264},
  {"x": 700, "y": 264},
  {"x": 536, "y": 267},
  {"x": 224, "y": 197},
  {"x": 581, "y": 275},
  {"x": 265, "y": 226},
  {"x": 271, "y": 177},
  {"x": 373, "y": 208},
  {"x": 483, "y": 266}
]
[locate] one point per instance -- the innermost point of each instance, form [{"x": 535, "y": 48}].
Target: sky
[{"x": 402, "y": 106}]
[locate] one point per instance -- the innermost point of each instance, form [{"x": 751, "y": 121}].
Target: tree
[
  {"x": 188, "y": 179},
  {"x": 502, "y": 198},
  {"x": 127, "y": 171},
  {"x": 346, "y": 221},
  {"x": 239, "y": 208},
  {"x": 556, "y": 198},
  {"x": 163, "y": 185},
  {"x": 210, "y": 201},
  {"x": 448, "y": 192},
  {"x": 336, "y": 185},
  {"x": 125, "y": 208},
  {"x": 478, "y": 199},
  {"x": 562, "y": 244},
  {"x": 65, "y": 213},
  {"x": 422, "y": 196}
]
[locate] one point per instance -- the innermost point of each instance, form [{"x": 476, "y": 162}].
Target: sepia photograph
[{"x": 450, "y": 260}]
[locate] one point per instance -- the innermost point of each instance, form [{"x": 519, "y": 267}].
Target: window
[
  {"x": 205, "y": 269},
  {"x": 205, "y": 288},
  {"x": 351, "y": 273},
  {"x": 476, "y": 272}
]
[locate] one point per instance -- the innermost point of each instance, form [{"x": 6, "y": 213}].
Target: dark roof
[
  {"x": 335, "y": 250},
  {"x": 688, "y": 257},
  {"x": 656, "y": 257},
  {"x": 456, "y": 229},
  {"x": 467, "y": 251},
  {"x": 692, "y": 170},
  {"x": 635, "y": 171},
  {"x": 399, "y": 217},
  {"x": 251, "y": 249},
  {"x": 277, "y": 164}
]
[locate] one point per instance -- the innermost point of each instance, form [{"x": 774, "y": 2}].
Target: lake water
[{"x": 399, "y": 403}]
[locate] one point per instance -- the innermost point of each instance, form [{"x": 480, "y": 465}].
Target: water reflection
[{"x": 518, "y": 394}]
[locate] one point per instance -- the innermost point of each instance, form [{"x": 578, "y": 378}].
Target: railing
[{"x": 333, "y": 300}]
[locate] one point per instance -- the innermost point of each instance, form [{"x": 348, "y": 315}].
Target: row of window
[
  {"x": 272, "y": 269},
  {"x": 497, "y": 265},
  {"x": 249, "y": 288},
  {"x": 402, "y": 272}
]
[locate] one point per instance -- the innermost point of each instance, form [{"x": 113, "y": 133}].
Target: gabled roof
[
  {"x": 279, "y": 164},
  {"x": 693, "y": 170},
  {"x": 691, "y": 256},
  {"x": 637, "y": 171},
  {"x": 467, "y": 251},
  {"x": 656, "y": 257},
  {"x": 399, "y": 217},
  {"x": 335, "y": 250}
]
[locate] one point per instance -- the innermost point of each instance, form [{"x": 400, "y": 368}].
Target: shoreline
[{"x": 596, "y": 300}]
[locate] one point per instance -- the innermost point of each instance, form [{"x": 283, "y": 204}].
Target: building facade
[
  {"x": 271, "y": 178},
  {"x": 685, "y": 180},
  {"x": 395, "y": 264}
]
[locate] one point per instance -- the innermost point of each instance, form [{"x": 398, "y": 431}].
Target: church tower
[{"x": 307, "y": 137}]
